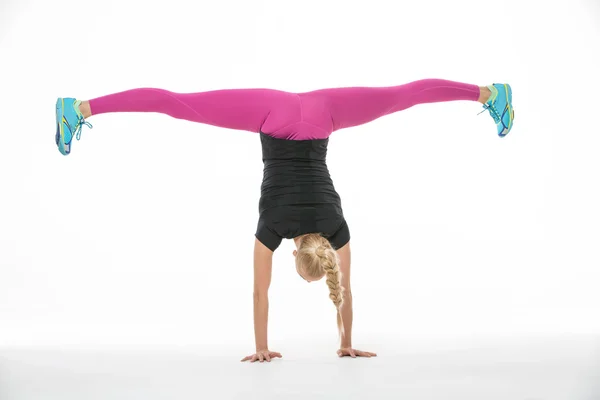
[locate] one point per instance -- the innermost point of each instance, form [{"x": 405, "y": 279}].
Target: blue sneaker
[
  {"x": 69, "y": 122},
  {"x": 500, "y": 107}
]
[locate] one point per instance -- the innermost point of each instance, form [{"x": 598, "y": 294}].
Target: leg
[
  {"x": 242, "y": 109},
  {"x": 352, "y": 106}
]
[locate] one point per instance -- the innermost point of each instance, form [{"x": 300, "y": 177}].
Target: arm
[
  {"x": 346, "y": 309},
  {"x": 263, "y": 262}
]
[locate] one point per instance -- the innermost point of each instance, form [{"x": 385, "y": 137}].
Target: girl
[{"x": 298, "y": 200}]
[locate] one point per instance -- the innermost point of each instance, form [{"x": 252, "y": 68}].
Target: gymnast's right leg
[{"x": 241, "y": 109}]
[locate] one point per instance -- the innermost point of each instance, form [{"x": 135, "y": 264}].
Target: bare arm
[
  {"x": 263, "y": 262},
  {"x": 346, "y": 309}
]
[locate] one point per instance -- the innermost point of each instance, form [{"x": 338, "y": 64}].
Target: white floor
[{"x": 559, "y": 368}]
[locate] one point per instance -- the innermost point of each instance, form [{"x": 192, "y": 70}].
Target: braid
[
  {"x": 317, "y": 258},
  {"x": 329, "y": 262}
]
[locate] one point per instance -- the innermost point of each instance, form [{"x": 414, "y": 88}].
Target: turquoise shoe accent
[
  {"x": 500, "y": 107},
  {"x": 69, "y": 122}
]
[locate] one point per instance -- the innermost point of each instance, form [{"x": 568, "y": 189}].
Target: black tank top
[
  {"x": 295, "y": 173},
  {"x": 297, "y": 193}
]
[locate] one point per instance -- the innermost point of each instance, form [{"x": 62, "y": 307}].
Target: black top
[{"x": 297, "y": 193}]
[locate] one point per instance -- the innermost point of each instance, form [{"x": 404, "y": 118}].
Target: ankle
[
  {"x": 85, "y": 109},
  {"x": 484, "y": 94}
]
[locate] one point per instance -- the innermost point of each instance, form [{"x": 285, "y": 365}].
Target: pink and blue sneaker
[
  {"x": 69, "y": 122},
  {"x": 500, "y": 107}
]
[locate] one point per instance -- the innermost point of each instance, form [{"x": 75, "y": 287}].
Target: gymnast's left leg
[{"x": 352, "y": 106}]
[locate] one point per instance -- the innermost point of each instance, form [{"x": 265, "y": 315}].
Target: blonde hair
[{"x": 317, "y": 258}]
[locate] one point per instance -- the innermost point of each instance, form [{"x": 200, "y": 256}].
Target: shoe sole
[
  {"x": 511, "y": 111},
  {"x": 60, "y": 115},
  {"x": 61, "y": 134}
]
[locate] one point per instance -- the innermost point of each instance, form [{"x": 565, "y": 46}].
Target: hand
[
  {"x": 347, "y": 351},
  {"x": 261, "y": 356}
]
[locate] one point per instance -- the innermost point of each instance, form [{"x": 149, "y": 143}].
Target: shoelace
[
  {"x": 80, "y": 122},
  {"x": 493, "y": 112}
]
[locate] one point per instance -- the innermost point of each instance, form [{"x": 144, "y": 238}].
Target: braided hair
[{"x": 317, "y": 258}]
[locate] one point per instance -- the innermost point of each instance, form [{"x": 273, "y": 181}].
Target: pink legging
[{"x": 286, "y": 115}]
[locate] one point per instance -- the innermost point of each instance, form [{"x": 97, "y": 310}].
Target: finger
[
  {"x": 267, "y": 357},
  {"x": 352, "y": 354},
  {"x": 246, "y": 358},
  {"x": 339, "y": 353},
  {"x": 362, "y": 353},
  {"x": 260, "y": 357},
  {"x": 275, "y": 354},
  {"x": 254, "y": 358},
  {"x": 373, "y": 354}
]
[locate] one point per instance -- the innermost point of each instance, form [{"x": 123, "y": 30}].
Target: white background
[{"x": 144, "y": 234}]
